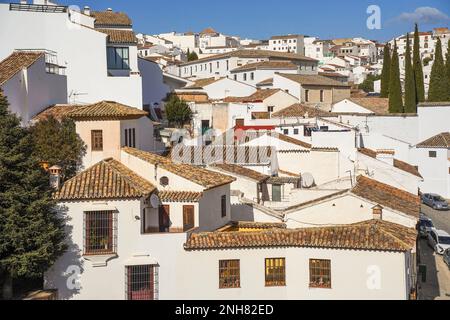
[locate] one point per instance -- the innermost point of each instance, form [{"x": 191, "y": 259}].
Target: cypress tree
[
  {"x": 410, "y": 86},
  {"x": 395, "y": 87},
  {"x": 439, "y": 84},
  {"x": 447, "y": 65},
  {"x": 386, "y": 72},
  {"x": 31, "y": 234},
  {"x": 418, "y": 68}
]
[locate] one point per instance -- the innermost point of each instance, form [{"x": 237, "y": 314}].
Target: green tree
[
  {"x": 177, "y": 111},
  {"x": 418, "y": 68},
  {"x": 410, "y": 84},
  {"x": 386, "y": 72},
  {"x": 439, "y": 84},
  {"x": 192, "y": 56},
  {"x": 58, "y": 143},
  {"x": 395, "y": 87},
  {"x": 447, "y": 62},
  {"x": 31, "y": 234},
  {"x": 367, "y": 85}
]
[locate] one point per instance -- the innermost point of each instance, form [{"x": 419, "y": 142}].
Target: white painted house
[
  {"x": 293, "y": 43},
  {"x": 31, "y": 83},
  {"x": 220, "y": 88}
]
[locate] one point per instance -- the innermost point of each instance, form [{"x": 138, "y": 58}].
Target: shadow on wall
[
  {"x": 66, "y": 272},
  {"x": 428, "y": 290},
  {"x": 242, "y": 212}
]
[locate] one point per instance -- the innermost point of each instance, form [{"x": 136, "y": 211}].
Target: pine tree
[
  {"x": 410, "y": 85},
  {"x": 178, "y": 112},
  {"x": 386, "y": 72},
  {"x": 439, "y": 84},
  {"x": 31, "y": 234},
  {"x": 418, "y": 68},
  {"x": 395, "y": 87}
]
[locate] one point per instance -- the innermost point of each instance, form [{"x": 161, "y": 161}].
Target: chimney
[
  {"x": 55, "y": 177},
  {"x": 387, "y": 156},
  {"x": 109, "y": 9},
  {"x": 87, "y": 10},
  {"x": 377, "y": 212}
]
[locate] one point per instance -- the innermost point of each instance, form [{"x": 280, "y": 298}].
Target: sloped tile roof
[
  {"x": 57, "y": 111},
  {"x": 404, "y": 166},
  {"x": 206, "y": 178},
  {"x": 378, "y": 106},
  {"x": 180, "y": 196},
  {"x": 246, "y": 226},
  {"x": 17, "y": 61},
  {"x": 266, "y": 65},
  {"x": 241, "y": 171},
  {"x": 387, "y": 196},
  {"x": 297, "y": 142},
  {"x": 259, "y": 95},
  {"x": 200, "y": 83},
  {"x": 106, "y": 110},
  {"x": 111, "y": 19},
  {"x": 374, "y": 235},
  {"x": 299, "y": 111},
  {"x": 108, "y": 179},
  {"x": 314, "y": 80},
  {"x": 268, "y": 81},
  {"x": 441, "y": 140},
  {"x": 119, "y": 36}
]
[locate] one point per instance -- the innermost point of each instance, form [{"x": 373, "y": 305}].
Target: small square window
[
  {"x": 296, "y": 131},
  {"x": 286, "y": 131},
  {"x": 432, "y": 154}
]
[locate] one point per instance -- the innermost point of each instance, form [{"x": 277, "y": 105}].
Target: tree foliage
[
  {"x": 58, "y": 143},
  {"x": 177, "y": 111},
  {"x": 192, "y": 56},
  {"x": 447, "y": 61},
  {"x": 368, "y": 84},
  {"x": 395, "y": 88},
  {"x": 31, "y": 234},
  {"x": 417, "y": 67},
  {"x": 410, "y": 84},
  {"x": 439, "y": 85},
  {"x": 386, "y": 72}
]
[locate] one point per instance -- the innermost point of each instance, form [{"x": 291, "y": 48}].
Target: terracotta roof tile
[
  {"x": 110, "y": 18},
  {"x": 241, "y": 171},
  {"x": 108, "y": 179},
  {"x": 17, "y": 61},
  {"x": 200, "y": 176},
  {"x": 106, "y": 110},
  {"x": 376, "y": 105},
  {"x": 119, "y": 36},
  {"x": 268, "y": 81},
  {"x": 180, "y": 196},
  {"x": 300, "y": 111},
  {"x": 200, "y": 83},
  {"x": 375, "y": 235},
  {"x": 314, "y": 80},
  {"x": 246, "y": 226},
  {"x": 441, "y": 140},
  {"x": 297, "y": 142},
  {"x": 266, "y": 65},
  {"x": 57, "y": 111},
  {"x": 258, "y": 96},
  {"x": 387, "y": 196}
]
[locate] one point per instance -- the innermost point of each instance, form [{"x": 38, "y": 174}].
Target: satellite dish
[
  {"x": 307, "y": 180},
  {"x": 154, "y": 201}
]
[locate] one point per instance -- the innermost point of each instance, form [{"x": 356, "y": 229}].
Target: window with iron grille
[
  {"x": 141, "y": 282},
  {"x": 229, "y": 274},
  {"x": 130, "y": 138},
  {"x": 275, "y": 272},
  {"x": 224, "y": 206},
  {"x": 320, "y": 273},
  {"x": 97, "y": 140},
  {"x": 100, "y": 232}
]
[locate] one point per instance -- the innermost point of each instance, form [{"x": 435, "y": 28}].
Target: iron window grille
[
  {"x": 100, "y": 232},
  {"x": 142, "y": 282},
  {"x": 229, "y": 274},
  {"x": 275, "y": 272},
  {"x": 320, "y": 273},
  {"x": 97, "y": 140}
]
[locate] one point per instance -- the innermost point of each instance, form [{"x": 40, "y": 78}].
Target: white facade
[{"x": 288, "y": 43}]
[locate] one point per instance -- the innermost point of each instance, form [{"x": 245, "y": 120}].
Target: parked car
[
  {"x": 447, "y": 258},
  {"x": 435, "y": 201},
  {"x": 425, "y": 226},
  {"x": 439, "y": 240}
]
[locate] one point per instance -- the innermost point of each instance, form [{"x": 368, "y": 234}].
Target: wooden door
[{"x": 188, "y": 218}]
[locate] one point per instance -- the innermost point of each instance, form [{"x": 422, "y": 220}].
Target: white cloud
[{"x": 427, "y": 15}]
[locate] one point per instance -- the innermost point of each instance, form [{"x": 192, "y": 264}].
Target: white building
[
  {"x": 293, "y": 43},
  {"x": 107, "y": 70},
  {"x": 318, "y": 49},
  {"x": 185, "y": 41},
  {"x": 220, "y": 88},
  {"x": 254, "y": 73},
  {"x": 31, "y": 83}
]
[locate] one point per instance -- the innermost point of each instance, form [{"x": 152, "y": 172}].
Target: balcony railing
[
  {"x": 51, "y": 61},
  {"x": 37, "y": 8}
]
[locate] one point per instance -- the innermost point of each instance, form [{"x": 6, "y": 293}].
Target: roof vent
[{"x": 377, "y": 212}]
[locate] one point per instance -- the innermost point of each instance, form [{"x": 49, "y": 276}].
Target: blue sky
[{"x": 260, "y": 19}]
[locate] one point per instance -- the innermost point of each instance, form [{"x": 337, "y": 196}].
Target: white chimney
[
  {"x": 387, "y": 156},
  {"x": 55, "y": 177},
  {"x": 377, "y": 212},
  {"x": 87, "y": 10}
]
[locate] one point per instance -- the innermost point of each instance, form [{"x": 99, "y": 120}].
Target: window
[
  {"x": 320, "y": 273},
  {"x": 100, "y": 232},
  {"x": 218, "y": 65},
  {"x": 306, "y": 95},
  {"x": 252, "y": 76},
  {"x": 97, "y": 140},
  {"x": 229, "y": 274},
  {"x": 118, "y": 58},
  {"x": 130, "y": 138},
  {"x": 188, "y": 218},
  {"x": 432, "y": 154},
  {"x": 223, "y": 206},
  {"x": 244, "y": 76},
  {"x": 296, "y": 131},
  {"x": 276, "y": 193},
  {"x": 321, "y": 95},
  {"x": 270, "y": 109},
  {"x": 228, "y": 65},
  {"x": 275, "y": 272},
  {"x": 286, "y": 131},
  {"x": 235, "y": 77},
  {"x": 141, "y": 282}
]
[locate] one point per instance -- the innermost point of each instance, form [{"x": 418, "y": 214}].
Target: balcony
[
  {"x": 51, "y": 61},
  {"x": 37, "y": 8}
]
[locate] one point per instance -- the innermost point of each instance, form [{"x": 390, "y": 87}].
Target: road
[{"x": 441, "y": 219}]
